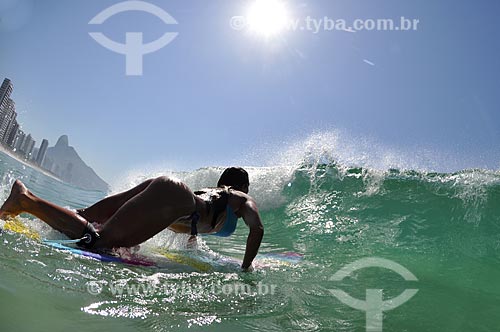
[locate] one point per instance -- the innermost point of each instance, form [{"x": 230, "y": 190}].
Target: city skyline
[
  {"x": 11, "y": 134},
  {"x": 13, "y": 138},
  {"x": 63, "y": 162}
]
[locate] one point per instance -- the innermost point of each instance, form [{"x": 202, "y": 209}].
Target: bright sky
[{"x": 214, "y": 93}]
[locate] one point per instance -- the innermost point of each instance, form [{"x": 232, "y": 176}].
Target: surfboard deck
[{"x": 160, "y": 257}]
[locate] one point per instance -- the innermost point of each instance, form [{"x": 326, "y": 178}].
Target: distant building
[
  {"x": 19, "y": 140},
  {"x": 13, "y": 134},
  {"x": 26, "y": 142},
  {"x": 7, "y": 108},
  {"x": 11, "y": 129},
  {"x": 8, "y": 116},
  {"x": 5, "y": 90},
  {"x": 27, "y": 146},
  {"x": 29, "y": 150},
  {"x": 42, "y": 152}
]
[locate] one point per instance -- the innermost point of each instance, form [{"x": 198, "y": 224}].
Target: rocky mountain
[{"x": 63, "y": 161}]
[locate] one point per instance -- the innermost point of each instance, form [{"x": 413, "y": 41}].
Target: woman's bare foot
[{"x": 12, "y": 206}]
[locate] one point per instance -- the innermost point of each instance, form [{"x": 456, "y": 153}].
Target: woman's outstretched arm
[{"x": 251, "y": 216}]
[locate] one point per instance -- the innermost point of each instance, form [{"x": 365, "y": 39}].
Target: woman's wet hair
[{"x": 235, "y": 177}]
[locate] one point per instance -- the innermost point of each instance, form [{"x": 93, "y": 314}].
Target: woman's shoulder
[{"x": 237, "y": 198}]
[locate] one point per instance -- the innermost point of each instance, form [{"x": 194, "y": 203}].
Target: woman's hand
[
  {"x": 248, "y": 269},
  {"x": 192, "y": 242}
]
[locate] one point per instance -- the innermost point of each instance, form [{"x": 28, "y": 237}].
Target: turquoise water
[{"x": 443, "y": 227}]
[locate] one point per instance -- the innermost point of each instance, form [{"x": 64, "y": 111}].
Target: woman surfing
[{"x": 132, "y": 217}]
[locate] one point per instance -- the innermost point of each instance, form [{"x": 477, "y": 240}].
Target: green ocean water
[{"x": 443, "y": 228}]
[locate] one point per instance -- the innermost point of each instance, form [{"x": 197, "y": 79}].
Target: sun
[{"x": 267, "y": 17}]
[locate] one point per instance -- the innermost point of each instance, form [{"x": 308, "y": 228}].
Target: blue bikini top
[{"x": 229, "y": 224}]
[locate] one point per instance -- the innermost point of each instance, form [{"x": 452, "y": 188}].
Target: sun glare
[{"x": 267, "y": 17}]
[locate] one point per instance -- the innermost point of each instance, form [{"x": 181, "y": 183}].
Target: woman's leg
[
  {"x": 155, "y": 208},
  {"x": 101, "y": 211},
  {"x": 22, "y": 200}
]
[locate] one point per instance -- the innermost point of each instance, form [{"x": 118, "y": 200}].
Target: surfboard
[
  {"x": 17, "y": 226},
  {"x": 161, "y": 256}
]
